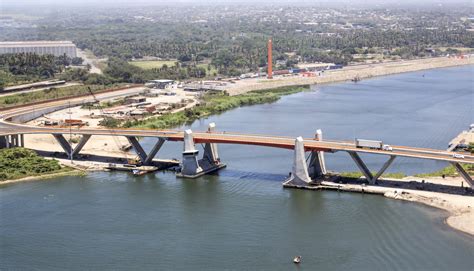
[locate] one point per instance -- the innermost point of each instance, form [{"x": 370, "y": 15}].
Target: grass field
[
  {"x": 155, "y": 64},
  {"x": 152, "y": 64}
]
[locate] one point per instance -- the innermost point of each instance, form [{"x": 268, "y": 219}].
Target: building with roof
[
  {"x": 161, "y": 83},
  {"x": 56, "y": 48}
]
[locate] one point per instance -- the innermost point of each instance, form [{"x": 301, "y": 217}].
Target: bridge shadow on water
[
  {"x": 232, "y": 173},
  {"x": 240, "y": 174}
]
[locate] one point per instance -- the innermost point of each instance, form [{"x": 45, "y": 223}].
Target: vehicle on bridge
[{"x": 368, "y": 144}]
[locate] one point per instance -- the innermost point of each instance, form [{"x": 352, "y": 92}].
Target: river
[{"x": 242, "y": 218}]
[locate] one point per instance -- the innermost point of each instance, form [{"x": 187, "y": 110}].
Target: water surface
[{"x": 242, "y": 218}]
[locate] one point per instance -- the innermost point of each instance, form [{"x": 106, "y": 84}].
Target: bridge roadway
[
  {"x": 245, "y": 139},
  {"x": 10, "y": 125}
]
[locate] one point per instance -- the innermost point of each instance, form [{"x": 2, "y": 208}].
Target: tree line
[{"x": 27, "y": 67}]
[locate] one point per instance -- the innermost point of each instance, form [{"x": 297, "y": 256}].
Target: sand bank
[{"x": 459, "y": 206}]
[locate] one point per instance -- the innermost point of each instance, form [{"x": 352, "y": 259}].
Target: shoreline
[
  {"x": 456, "y": 218},
  {"x": 73, "y": 172},
  {"x": 364, "y": 71},
  {"x": 459, "y": 208}
]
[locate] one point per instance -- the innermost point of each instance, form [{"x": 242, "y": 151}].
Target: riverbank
[
  {"x": 348, "y": 73},
  {"x": 20, "y": 164},
  {"x": 72, "y": 172},
  {"x": 215, "y": 103},
  {"x": 447, "y": 194}
]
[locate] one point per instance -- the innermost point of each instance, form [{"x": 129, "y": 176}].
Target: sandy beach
[
  {"x": 460, "y": 207},
  {"x": 348, "y": 73}
]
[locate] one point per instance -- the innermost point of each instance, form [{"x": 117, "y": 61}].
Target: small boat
[
  {"x": 297, "y": 259},
  {"x": 138, "y": 172}
]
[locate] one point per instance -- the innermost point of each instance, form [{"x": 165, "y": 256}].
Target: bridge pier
[
  {"x": 299, "y": 172},
  {"x": 365, "y": 170},
  {"x": 22, "y": 140},
  {"x": 302, "y": 173},
  {"x": 317, "y": 163},
  {"x": 463, "y": 174},
  {"x": 68, "y": 149},
  {"x": 12, "y": 141},
  {"x": 145, "y": 158},
  {"x": 191, "y": 167},
  {"x": 3, "y": 142}
]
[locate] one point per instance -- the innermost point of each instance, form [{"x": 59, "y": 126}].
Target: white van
[{"x": 458, "y": 156}]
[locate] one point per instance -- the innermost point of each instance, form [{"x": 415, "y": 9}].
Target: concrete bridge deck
[
  {"x": 246, "y": 139},
  {"x": 11, "y": 124}
]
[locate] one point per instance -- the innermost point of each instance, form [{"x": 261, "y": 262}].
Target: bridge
[{"x": 304, "y": 171}]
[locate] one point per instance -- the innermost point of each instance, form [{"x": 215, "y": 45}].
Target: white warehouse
[{"x": 56, "y": 48}]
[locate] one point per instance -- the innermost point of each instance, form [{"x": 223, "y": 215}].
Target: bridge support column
[
  {"x": 317, "y": 164},
  {"x": 145, "y": 158},
  {"x": 210, "y": 158},
  {"x": 372, "y": 179},
  {"x": 7, "y": 142},
  {"x": 68, "y": 149},
  {"x": 192, "y": 167},
  {"x": 13, "y": 141},
  {"x": 362, "y": 167},
  {"x": 189, "y": 166},
  {"x": 384, "y": 168},
  {"x": 22, "y": 140},
  {"x": 154, "y": 151},
  {"x": 3, "y": 142},
  {"x": 137, "y": 147},
  {"x": 299, "y": 173},
  {"x": 463, "y": 174}
]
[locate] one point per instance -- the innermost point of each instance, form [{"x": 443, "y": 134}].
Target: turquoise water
[{"x": 241, "y": 218}]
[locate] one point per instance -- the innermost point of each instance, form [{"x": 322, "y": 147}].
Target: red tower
[{"x": 270, "y": 61}]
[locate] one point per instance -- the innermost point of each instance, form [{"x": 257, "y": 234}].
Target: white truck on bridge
[{"x": 372, "y": 144}]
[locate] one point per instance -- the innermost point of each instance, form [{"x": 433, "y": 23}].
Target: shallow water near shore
[{"x": 242, "y": 218}]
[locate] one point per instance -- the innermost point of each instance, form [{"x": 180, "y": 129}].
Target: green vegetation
[
  {"x": 470, "y": 148},
  {"x": 105, "y": 104},
  {"x": 17, "y": 163},
  {"x": 449, "y": 171},
  {"x": 214, "y": 103},
  {"x": 356, "y": 174},
  {"x": 152, "y": 64},
  {"x": 119, "y": 70},
  {"x": 28, "y": 67},
  {"x": 52, "y": 93},
  {"x": 236, "y": 43},
  {"x": 110, "y": 122}
]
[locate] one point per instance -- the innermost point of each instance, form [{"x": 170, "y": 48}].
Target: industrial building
[
  {"x": 161, "y": 84},
  {"x": 56, "y": 48}
]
